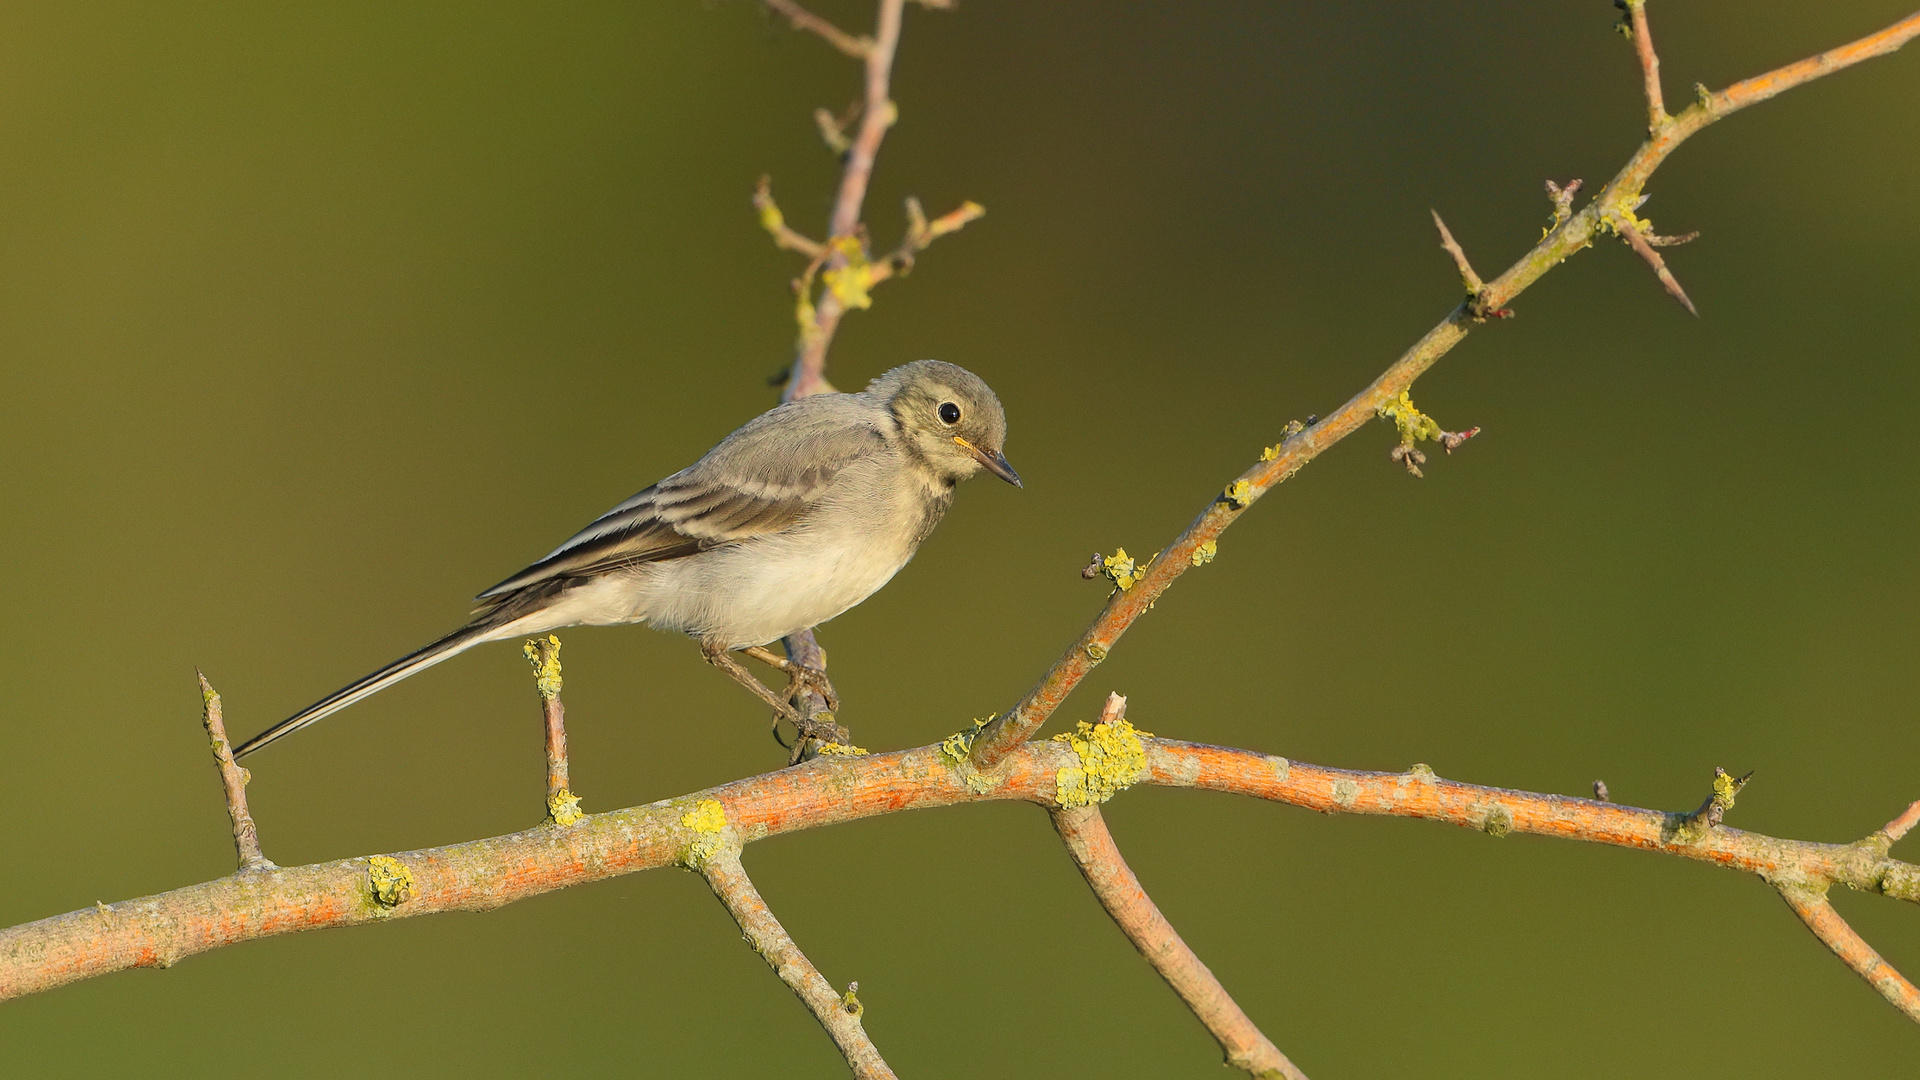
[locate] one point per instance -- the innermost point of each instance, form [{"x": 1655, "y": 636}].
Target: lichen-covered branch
[
  {"x": 233, "y": 782},
  {"x": 838, "y": 1014},
  {"x": 1084, "y": 832},
  {"x": 1567, "y": 237},
  {"x": 157, "y": 931},
  {"x": 563, "y": 806}
]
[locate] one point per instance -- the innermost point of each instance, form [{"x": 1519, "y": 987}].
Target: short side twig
[
  {"x": 1643, "y": 245},
  {"x": 840, "y": 1015},
  {"x": 1085, "y": 833},
  {"x": 563, "y": 806},
  {"x": 1657, "y": 117},
  {"x": 802, "y": 19},
  {"x": 1817, "y": 912},
  {"x": 1467, "y": 276},
  {"x": 233, "y": 778},
  {"x": 1892, "y": 831}
]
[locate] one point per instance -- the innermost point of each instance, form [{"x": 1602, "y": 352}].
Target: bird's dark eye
[{"x": 949, "y": 413}]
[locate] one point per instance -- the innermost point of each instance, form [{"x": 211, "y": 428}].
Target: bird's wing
[{"x": 761, "y": 479}]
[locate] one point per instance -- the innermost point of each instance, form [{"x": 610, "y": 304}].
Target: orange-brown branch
[
  {"x": 1817, "y": 912},
  {"x": 1563, "y": 241},
  {"x": 1085, "y": 833},
  {"x": 156, "y": 931}
]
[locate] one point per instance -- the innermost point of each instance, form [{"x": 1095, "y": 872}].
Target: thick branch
[
  {"x": 839, "y": 1015},
  {"x": 1119, "y": 891},
  {"x": 479, "y": 875},
  {"x": 1565, "y": 240},
  {"x": 1817, "y": 912}
]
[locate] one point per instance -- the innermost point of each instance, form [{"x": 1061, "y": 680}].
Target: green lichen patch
[
  {"x": 1345, "y": 792},
  {"x": 708, "y": 820},
  {"x": 389, "y": 882},
  {"x": 1111, "y": 759},
  {"x": 1498, "y": 821}
]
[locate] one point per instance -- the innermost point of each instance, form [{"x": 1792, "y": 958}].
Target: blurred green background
[{"x": 315, "y": 322}]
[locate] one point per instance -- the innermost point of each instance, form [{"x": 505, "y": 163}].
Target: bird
[{"x": 800, "y": 514}]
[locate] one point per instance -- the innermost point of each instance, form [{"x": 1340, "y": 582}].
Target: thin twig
[
  {"x": 1085, "y": 834},
  {"x": 1817, "y": 912},
  {"x": 876, "y": 116},
  {"x": 1900, "y": 826},
  {"x": 1562, "y": 242},
  {"x": 233, "y": 780},
  {"x": 808, "y": 375},
  {"x": 479, "y": 875},
  {"x": 1649, "y": 64},
  {"x": 1644, "y": 248},
  {"x": 563, "y": 806},
  {"x": 1467, "y": 276},
  {"x": 775, "y": 222},
  {"x": 802, "y": 19},
  {"x": 839, "y": 1015}
]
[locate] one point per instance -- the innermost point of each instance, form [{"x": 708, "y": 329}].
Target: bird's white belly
[{"x": 750, "y": 593}]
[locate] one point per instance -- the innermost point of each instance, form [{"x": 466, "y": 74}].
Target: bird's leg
[
  {"x": 800, "y": 676},
  {"x": 717, "y": 655}
]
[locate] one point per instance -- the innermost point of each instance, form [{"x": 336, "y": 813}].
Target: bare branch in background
[
  {"x": 1566, "y": 239},
  {"x": 802, "y": 19}
]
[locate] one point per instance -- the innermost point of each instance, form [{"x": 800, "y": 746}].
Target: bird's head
[{"x": 949, "y": 419}]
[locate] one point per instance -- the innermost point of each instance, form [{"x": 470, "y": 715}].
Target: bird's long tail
[{"x": 457, "y": 642}]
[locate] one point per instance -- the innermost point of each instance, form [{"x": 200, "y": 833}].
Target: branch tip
[{"x": 1644, "y": 247}]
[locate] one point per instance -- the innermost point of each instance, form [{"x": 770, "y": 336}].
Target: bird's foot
[{"x": 801, "y": 679}]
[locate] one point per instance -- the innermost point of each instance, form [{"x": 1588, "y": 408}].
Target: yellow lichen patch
[
  {"x": 708, "y": 819},
  {"x": 1238, "y": 494},
  {"x": 1204, "y": 554},
  {"x": 957, "y": 747},
  {"x": 849, "y": 283},
  {"x": 1414, "y": 425},
  {"x": 1268, "y": 453},
  {"x": 544, "y": 655},
  {"x": 563, "y": 807},
  {"x": 1111, "y": 759},
  {"x": 1120, "y": 567},
  {"x": 707, "y": 816},
  {"x": 389, "y": 881},
  {"x": 834, "y": 749}
]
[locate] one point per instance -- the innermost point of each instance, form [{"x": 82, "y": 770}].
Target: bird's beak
[{"x": 994, "y": 461}]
